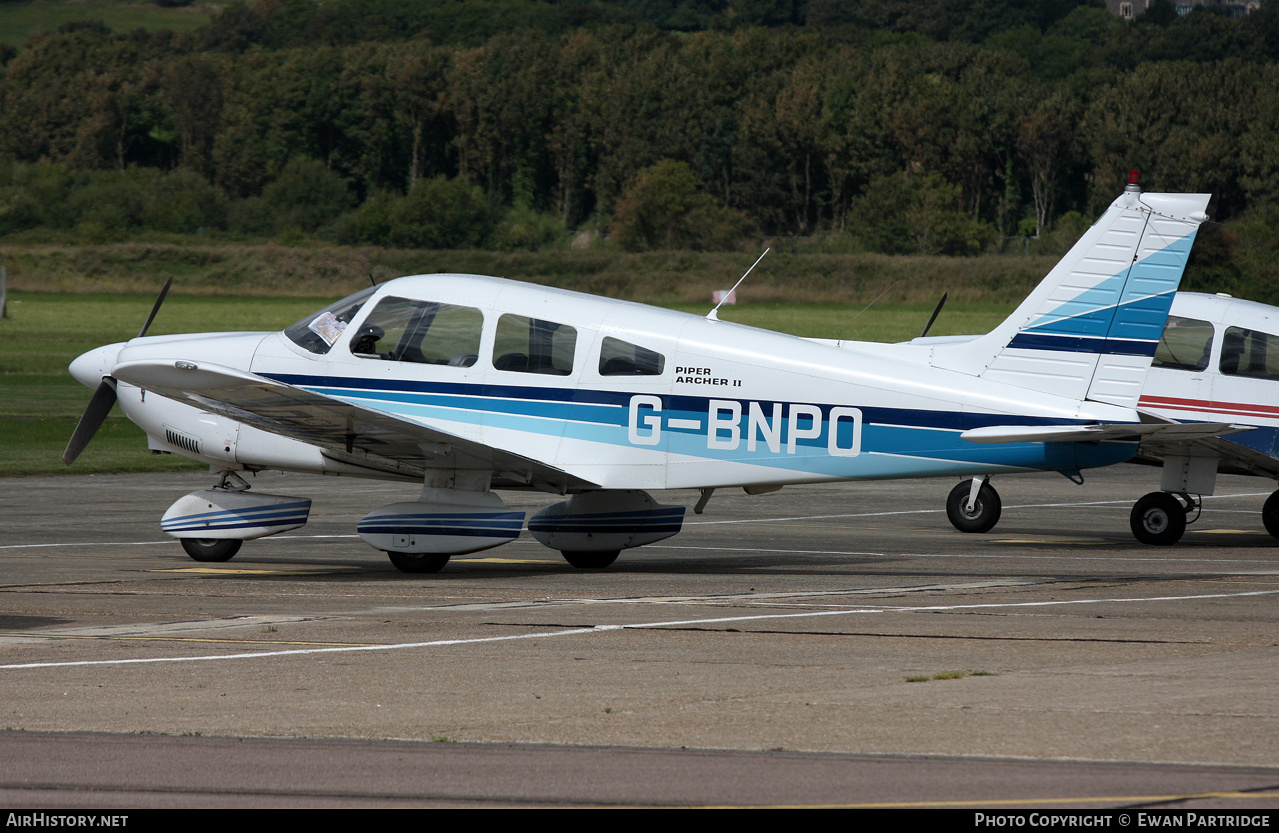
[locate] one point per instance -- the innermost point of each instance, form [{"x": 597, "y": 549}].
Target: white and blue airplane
[
  {"x": 468, "y": 385},
  {"x": 1218, "y": 358}
]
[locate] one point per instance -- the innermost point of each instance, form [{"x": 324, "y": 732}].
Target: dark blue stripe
[
  {"x": 410, "y": 526},
  {"x": 468, "y": 532},
  {"x": 1083, "y": 344},
  {"x": 245, "y": 525},
  {"x": 563, "y": 526},
  {"x": 499, "y": 397},
  {"x": 246, "y": 512}
]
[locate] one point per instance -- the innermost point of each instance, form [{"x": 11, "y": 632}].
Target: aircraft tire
[
  {"x": 985, "y": 513},
  {"x": 590, "y": 559},
  {"x": 1158, "y": 519},
  {"x": 1270, "y": 514},
  {"x": 418, "y": 562},
  {"x": 211, "y": 549}
]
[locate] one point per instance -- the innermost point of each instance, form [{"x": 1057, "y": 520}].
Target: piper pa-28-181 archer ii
[{"x": 470, "y": 384}]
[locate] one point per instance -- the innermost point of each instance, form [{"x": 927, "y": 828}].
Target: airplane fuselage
[
  {"x": 1232, "y": 375},
  {"x": 682, "y": 402}
]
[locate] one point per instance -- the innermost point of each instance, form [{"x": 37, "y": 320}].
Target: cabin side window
[
  {"x": 422, "y": 332},
  {"x": 530, "y": 345},
  {"x": 621, "y": 358},
  {"x": 1185, "y": 345},
  {"x": 1249, "y": 353},
  {"x": 320, "y": 330}
]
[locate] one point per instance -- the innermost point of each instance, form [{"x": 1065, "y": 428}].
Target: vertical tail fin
[{"x": 1089, "y": 330}]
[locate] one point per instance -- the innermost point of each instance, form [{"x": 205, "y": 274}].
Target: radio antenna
[
  {"x": 936, "y": 312},
  {"x": 840, "y": 339},
  {"x": 711, "y": 316}
]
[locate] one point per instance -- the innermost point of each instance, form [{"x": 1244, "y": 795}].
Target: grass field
[
  {"x": 19, "y": 21},
  {"x": 40, "y": 402}
]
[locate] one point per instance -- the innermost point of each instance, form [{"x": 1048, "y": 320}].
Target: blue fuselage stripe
[{"x": 890, "y": 437}]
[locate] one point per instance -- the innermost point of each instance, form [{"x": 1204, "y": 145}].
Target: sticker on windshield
[{"x": 328, "y": 327}]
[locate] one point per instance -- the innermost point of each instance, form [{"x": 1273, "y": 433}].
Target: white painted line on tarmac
[
  {"x": 86, "y": 544},
  {"x": 147, "y": 543},
  {"x": 815, "y": 517},
  {"x": 1020, "y": 555},
  {"x": 441, "y": 643},
  {"x": 760, "y": 549},
  {"x": 943, "y": 509}
]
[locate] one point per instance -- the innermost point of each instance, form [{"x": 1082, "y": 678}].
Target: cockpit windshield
[{"x": 320, "y": 330}]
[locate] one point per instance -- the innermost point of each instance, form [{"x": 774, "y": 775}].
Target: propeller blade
[
  {"x": 156, "y": 308},
  {"x": 91, "y": 420},
  {"x": 936, "y": 312},
  {"x": 104, "y": 397}
]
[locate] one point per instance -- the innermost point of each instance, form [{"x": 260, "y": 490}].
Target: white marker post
[{"x": 732, "y": 293}]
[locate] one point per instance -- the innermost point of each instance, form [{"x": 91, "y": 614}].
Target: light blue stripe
[{"x": 1131, "y": 304}]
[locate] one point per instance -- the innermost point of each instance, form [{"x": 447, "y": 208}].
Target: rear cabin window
[
  {"x": 1249, "y": 353},
  {"x": 621, "y": 358},
  {"x": 422, "y": 332},
  {"x": 1185, "y": 345},
  {"x": 530, "y": 345}
]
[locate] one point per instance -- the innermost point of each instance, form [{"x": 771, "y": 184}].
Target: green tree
[
  {"x": 419, "y": 77},
  {"x": 193, "y": 90},
  {"x": 1044, "y": 148},
  {"x": 306, "y": 195},
  {"x": 1179, "y": 124},
  {"x": 902, "y": 214},
  {"x": 442, "y": 213},
  {"x": 665, "y": 207},
  {"x": 182, "y": 201}
]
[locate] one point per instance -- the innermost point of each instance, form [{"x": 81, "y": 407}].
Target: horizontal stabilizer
[{"x": 1100, "y": 433}]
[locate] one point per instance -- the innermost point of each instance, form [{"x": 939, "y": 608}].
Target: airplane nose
[{"x": 89, "y": 368}]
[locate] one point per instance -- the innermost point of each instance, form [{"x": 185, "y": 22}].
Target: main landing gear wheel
[
  {"x": 418, "y": 562},
  {"x": 591, "y": 559},
  {"x": 1270, "y": 514},
  {"x": 985, "y": 512},
  {"x": 211, "y": 549},
  {"x": 1159, "y": 518}
]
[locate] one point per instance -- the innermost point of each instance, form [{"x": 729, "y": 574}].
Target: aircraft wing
[
  {"x": 1178, "y": 441},
  {"x": 1159, "y": 440},
  {"x": 1233, "y": 457},
  {"x": 1168, "y": 432},
  {"x": 353, "y": 434}
]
